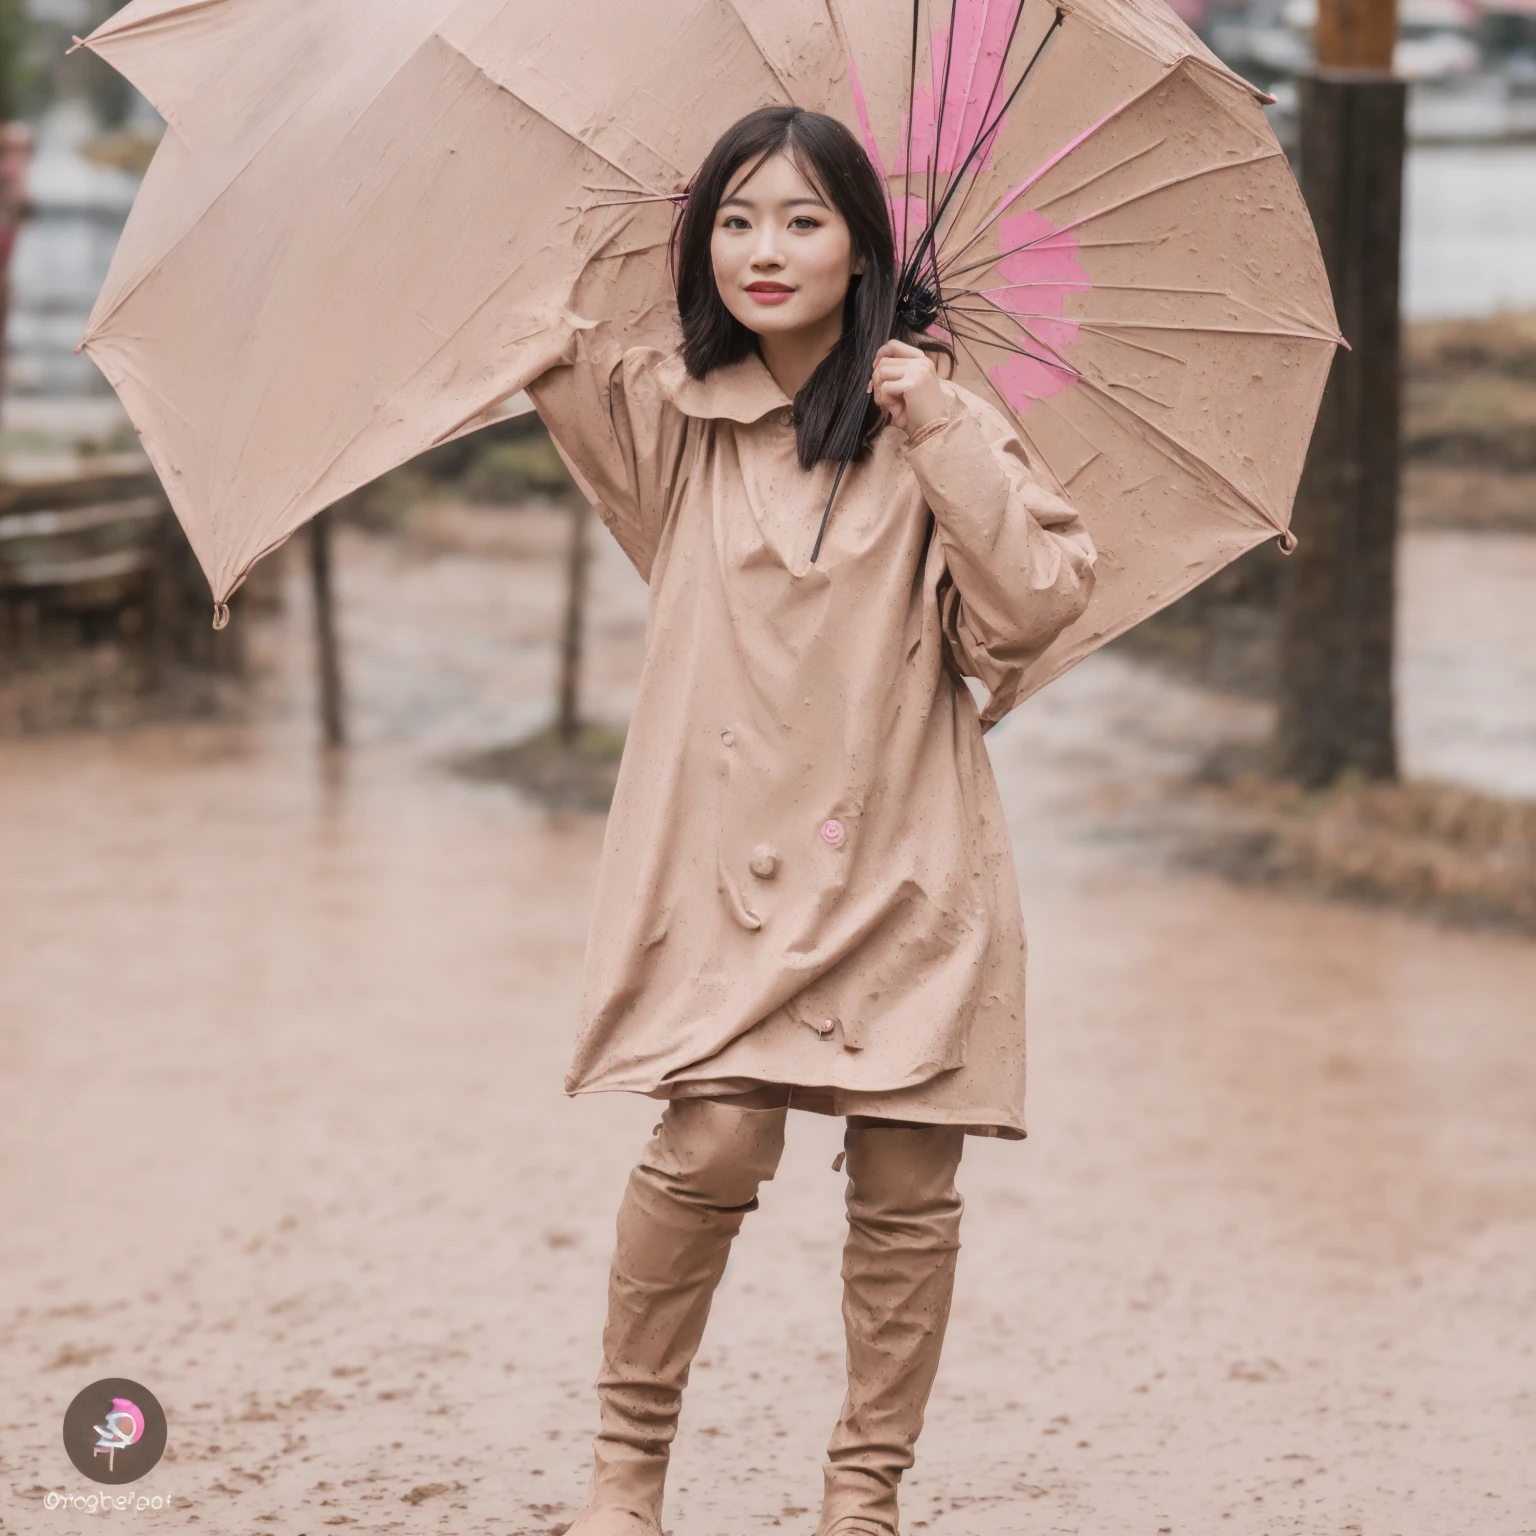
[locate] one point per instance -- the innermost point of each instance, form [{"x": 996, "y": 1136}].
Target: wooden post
[
  {"x": 1337, "y": 591},
  {"x": 328, "y": 651},
  {"x": 569, "y": 718},
  {"x": 1356, "y": 34}
]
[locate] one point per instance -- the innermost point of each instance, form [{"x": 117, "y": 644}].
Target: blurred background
[{"x": 291, "y": 922}]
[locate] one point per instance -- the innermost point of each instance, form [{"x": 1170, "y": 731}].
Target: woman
[{"x": 807, "y": 898}]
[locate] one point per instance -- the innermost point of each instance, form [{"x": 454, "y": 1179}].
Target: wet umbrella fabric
[{"x": 372, "y": 224}]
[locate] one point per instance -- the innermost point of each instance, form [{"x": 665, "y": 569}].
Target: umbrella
[{"x": 372, "y": 222}]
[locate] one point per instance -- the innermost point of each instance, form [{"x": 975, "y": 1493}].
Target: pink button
[
  {"x": 828, "y": 1025},
  {"x": 832, "y": 832}
]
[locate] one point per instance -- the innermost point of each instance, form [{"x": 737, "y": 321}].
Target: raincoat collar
[{"x": 743, "y": 391}]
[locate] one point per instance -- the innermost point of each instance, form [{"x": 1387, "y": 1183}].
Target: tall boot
[
  {"x": 685, "y": 1201},
  {"x": 898, "y": 1278}
]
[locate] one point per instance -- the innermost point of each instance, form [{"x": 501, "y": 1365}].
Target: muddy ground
[{"x": 281, "y": 1136}]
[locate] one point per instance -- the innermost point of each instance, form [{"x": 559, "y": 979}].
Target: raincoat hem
[{"x": 837, "y": 1103}]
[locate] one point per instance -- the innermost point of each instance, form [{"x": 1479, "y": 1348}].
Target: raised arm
[
  {"x": 619, "y": 435},
  {"x": 1020, "y": 562}
]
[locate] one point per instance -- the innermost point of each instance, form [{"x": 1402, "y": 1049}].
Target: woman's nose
[{"x": 767, "y": 253}]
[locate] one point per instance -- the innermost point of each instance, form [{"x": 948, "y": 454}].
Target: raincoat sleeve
[
  {"x": 1019, "y": 564},
  {"x": 620, "y": 436}
]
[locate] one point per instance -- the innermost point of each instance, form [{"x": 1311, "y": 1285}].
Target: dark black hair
[{"x": 827, "y": 413}]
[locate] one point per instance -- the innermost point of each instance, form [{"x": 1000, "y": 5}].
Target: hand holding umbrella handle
[{"x": 905, "y": 385}]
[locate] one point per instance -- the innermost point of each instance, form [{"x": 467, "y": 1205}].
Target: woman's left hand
[{"x": 906, "y": 386}]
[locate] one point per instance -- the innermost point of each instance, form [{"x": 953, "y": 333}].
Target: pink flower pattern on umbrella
[
  {"x": 955, "y": 111},
  {"x": 971, "y": 95},
  {"x": 1039, "y": 274}
]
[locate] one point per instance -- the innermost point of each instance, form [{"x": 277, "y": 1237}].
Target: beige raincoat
[{"x": 806, "y": 877}]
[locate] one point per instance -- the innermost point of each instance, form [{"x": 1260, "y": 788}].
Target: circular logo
[{"x": 114, "y": 1431}]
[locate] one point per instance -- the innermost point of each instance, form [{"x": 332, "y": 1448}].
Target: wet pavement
[
  {"x": 281, "y": 1137},
  {"x": 1467, "y": 659}
]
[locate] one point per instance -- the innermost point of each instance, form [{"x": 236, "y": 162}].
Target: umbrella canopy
[{"x": 372, "y": 222}]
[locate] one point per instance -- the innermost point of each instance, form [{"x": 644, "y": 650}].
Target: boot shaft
[
  {"x": 684, "y": 1203},
  {"x": 898, "y": 1282}
]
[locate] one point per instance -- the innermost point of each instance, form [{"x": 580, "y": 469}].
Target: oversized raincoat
[{"x": 806, "y": 877}]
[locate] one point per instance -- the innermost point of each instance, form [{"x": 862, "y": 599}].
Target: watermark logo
[{"x": 114, "y": 1431}]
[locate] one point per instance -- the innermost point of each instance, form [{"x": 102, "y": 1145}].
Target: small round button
[
  {"x": 832, "y": 832},
  {"x": 728, "y": 737},
  {"x": 827, "y": 1026},
  {"x": 765, "y": 862}
]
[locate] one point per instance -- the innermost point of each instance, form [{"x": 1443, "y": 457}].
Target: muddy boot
[
  {"x": 898, "y": 1277},
  {"x": 695, "y": 1181}
]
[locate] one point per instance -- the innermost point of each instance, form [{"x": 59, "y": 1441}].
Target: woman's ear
[{"x": 857, "y": 269}]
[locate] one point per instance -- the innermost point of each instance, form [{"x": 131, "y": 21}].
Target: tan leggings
[{"x": 716, "y": 1151}]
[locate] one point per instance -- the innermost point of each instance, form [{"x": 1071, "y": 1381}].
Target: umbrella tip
[
  {"x": 1287, "y": 541},
  {"x": 221, "y": 615},
  {"x": 75, "y": 44}
]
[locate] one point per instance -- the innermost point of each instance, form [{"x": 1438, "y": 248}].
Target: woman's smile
[{"x": 770, "y": 293}]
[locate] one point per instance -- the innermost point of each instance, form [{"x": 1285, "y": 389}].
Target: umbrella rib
[
  {"x": 447, "y": 341},
  {"x": 762, "y": 52},
  {"x": 539, "y": 112},
  {"x": 1008, "y": 409},
  {"x": 970, "y": 74},
  {"x": 1177, "y": 450},
  {"x": 1105, "y": 330},
  {"x": 994, "y": 338},
  {"x": 500, "y": 86},
  {"x": 1205, "y": 293},
  {"x": 963, "y": 97},
  {"x": 1000, "y": 338},
  {"x": 1018, "y": 320},
  {"x": 1053, "y": 360},
  {"x": 991, "y": 339},
  {"x": 930, "y": 235},
  {"x": 943, "y": 112},
  {"x": 954, "y": 177},
  {"x": 871, "y": 144},
  {"x": 988, "y": 132},
  {"x": 1100, "y": 328},
  {"x": 1100, "y": 325},
  {"x": 1181, "y": 452},
  {"x": 1124, "y": 202},
  {"x": 1011, "y": 197},
  {"x": 112, "y": 29},
  {"x": 588, "y": 186},
  {"x": 1109, "y": 170},
  {"x": 97, "y": 321},
  {"x": 1112, "y": 245},
  {"x": 906, "y": 183},
  {"x": 933, "y": 222},
  {"x": 638, "y": 200},
  {"x": 1313, "y": 334}
]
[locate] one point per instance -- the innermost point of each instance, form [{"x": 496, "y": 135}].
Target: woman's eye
[
  {"x": 735, "y": 221},
  {"x": 804, "y": 222}
]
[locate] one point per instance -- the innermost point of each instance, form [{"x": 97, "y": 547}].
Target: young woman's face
[{"x": 782, "y": 257}]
